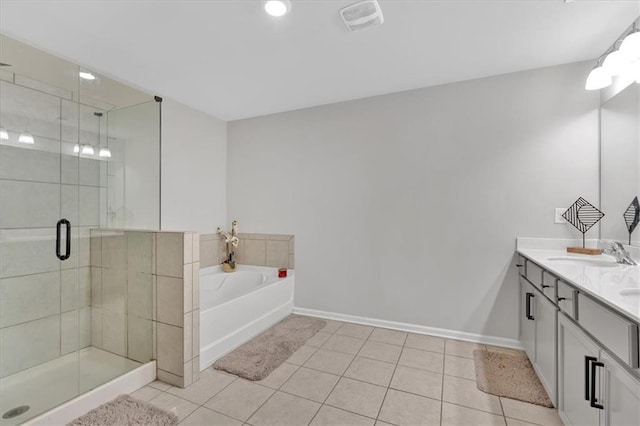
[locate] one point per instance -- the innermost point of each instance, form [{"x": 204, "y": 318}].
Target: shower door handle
[{"x": 67, "y": 251}]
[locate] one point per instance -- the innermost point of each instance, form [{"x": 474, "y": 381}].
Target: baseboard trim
[{"x": 412, "y": 328}]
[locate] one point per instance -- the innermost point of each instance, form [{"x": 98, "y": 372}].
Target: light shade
[
  {"x": 598, "y": 79},
  {"x": 615, "y": 63},
  {"x": 87, "y": 149},
  {"x": 3, "y": 134},
  {"x": 630, "y": 47},
  {"x": 277, "y": 7},
  {"x": 105, "y": 153},
  {"x": 26, "y": 137},
  {"x": 76, "y": 148}
]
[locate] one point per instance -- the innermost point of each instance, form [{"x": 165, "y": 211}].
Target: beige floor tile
[
  {"x": 460, "y": 348},
  {"x": 301, "y": 356},
  {"x": 279, "y": 376},
  {"x": 354, "y": 330},
  {"x": 530, "y": 412},
  {"x": 421, "y": 382},
  {"x": 345, "y": 344},
  {"x": 178, "y": 406},
  {"x": 401, "y": 408},
  {"x": 211, "y": 382},
  {"x": 284, "y": 409},
  {"x": 146, "y": 393},
  {"x": 371, "y": 371},
  {"x": 160, "y": 385},
  {"x": 329, "y": 361},
  {"x": 204, "y": 416},
  {"x": 456, "y": 415},
  {"x": 424, "y": 360},
  {"x": 380, "y": 351},
  {"x": 311, "y": 384},
  {"x": 515, "y": 422},
  {"x": 357, "y": 397},
  {"x": 332, "y": 326},
  {"x": 392, "y": 337},
  {"x": 425, "y": 343},
  {"x": 464, "y": 392},
  {"x": 318, "y": 339},
  {"x": 459, "y": 367},
  {"x": 331, "y": 416},
  {"x": 240, "y": 399}
]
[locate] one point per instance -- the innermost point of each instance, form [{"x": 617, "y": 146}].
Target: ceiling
[{"x": 231, "y": 60}]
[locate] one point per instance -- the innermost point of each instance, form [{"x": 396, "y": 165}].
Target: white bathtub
[{"x": 234, "y": 307}]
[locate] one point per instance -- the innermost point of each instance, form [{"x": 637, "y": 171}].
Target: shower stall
[{"x": 78, "y": 152}]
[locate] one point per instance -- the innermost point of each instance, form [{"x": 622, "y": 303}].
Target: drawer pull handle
[
  {"x": 528, "y": 306},
  {"x": 593, "y": 401},
  {"x": 587, "y": 361},
  {"x": 519, "y": 266},
  {"x": 545, "y": 286},
  {"x": 560, "y": 299}
]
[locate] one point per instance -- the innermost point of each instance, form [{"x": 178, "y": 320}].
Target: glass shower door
[{"x": 39, "y": 275}]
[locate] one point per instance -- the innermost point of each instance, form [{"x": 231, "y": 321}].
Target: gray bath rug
[
  {"x": 510, "y": 376},
  {"x": 257, "y": 358},
  {"x": 126, "y": 411}
]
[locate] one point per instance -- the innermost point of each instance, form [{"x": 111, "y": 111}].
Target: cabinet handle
[
  {"x": 593, "y": 401},
  {"x": 587, "y": 360},
  {"x": 528, "y": 306},
  {"x": 560, "y": 299},
  {"x": 545, "y": 286},
  {"x": 519, "y": 266},
  {"x": 67, "y": 251}
]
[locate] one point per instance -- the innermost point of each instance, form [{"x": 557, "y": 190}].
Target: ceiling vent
[{"x": 362, "y": 15}]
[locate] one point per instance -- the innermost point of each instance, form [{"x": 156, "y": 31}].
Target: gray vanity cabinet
[
  {"x": 576, "y": 352},
  {"x": 527, "y": 319},
  {"x": 546, "y": 344},
  {"x": 593, "y": 387},
  {"x": 538, "y": 333}
]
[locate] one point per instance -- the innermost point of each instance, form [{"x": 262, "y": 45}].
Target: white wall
[
  {"x": 406, "y": 207},
  {"x": 194, "y": 169}
]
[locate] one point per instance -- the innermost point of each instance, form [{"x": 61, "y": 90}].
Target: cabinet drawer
[
  {"x": 521, "y": 264},
  {"x": 618, "y": 334},
  {"x": 549, "y": 285},
  {"x": 534, "y": 274},
  {"x": 568, "y": 299}
]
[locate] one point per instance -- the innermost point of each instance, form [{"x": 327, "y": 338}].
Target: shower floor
[{"x": 48, "y": 385}]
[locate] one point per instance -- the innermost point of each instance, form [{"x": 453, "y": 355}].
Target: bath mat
[
  {"x": 510, "y": 376},
  {"x": 257, "y": 358},
  {"x": 126, "y": 411}
]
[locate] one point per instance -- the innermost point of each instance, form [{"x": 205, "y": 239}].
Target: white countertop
[{"x": 608, "y": 284}]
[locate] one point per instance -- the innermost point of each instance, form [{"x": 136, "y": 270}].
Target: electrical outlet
[{"x": 559, "y": 218}]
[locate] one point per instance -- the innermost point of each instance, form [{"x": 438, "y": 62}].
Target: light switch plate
[{"x": 559, "y": 218}]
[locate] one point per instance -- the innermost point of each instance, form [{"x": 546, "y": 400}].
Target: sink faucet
[{"x": 618, "y": 251}]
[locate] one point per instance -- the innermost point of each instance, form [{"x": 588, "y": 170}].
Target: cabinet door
[
  {"x": 574, "y": 348},
  {"x": 620, "y": 395},
  {"x": 527, "y": 319},
  {"x": 546, "y": 344}
]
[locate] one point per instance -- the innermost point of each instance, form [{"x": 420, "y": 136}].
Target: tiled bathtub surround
[
  {"x": 274, "y": 250},
  {"x": 131, "y": 270}
]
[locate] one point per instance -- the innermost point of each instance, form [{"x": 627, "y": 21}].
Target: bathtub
[{"x": 234, "y": 307}]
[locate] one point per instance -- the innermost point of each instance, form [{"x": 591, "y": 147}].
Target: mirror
[{"x": 620, "y": 163}]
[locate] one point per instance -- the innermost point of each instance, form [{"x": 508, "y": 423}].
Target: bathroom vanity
[{"x": 579, "y": 322}]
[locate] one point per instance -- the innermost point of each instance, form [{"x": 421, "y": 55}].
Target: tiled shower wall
[
  {"x": 145, "y": 299},
  {"x": 274, "y": 250}
]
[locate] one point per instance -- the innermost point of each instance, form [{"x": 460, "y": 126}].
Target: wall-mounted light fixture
[
  {"x": 621, "y": 58},
  {"x": 87, "y": 150},
  {"x": 4, "y": 135}
]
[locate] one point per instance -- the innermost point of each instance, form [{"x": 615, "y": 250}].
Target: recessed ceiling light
[
  {"x": 26, "y": 137},
  {"x": 277, "y": 7},
  {"x": 86, "y": 75}
]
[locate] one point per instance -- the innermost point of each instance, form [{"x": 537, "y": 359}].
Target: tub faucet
[{"x": 618, "y": 251}]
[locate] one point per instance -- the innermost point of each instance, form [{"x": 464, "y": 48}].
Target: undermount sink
[{"x": 598, "y": 262}]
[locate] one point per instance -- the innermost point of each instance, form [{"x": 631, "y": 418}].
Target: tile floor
[{"x": 349, "y": 374}]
